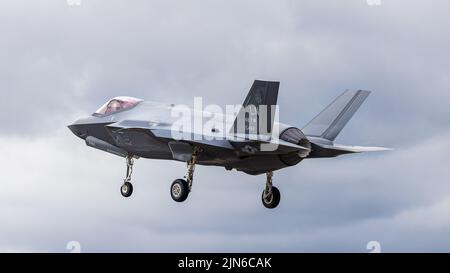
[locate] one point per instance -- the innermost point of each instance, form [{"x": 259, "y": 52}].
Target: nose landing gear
[{"x": 127, "y": 188}]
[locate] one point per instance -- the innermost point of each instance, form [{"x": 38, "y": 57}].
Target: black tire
[
  {"x": 179, "y": 190},
  {"x": 126, "y": 189},
  {"x": 272, "y": 201}
]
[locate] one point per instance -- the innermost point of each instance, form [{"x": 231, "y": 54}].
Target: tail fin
[
  {"x": 261, "y": 94},
  {"x": 329, "y": 123}
]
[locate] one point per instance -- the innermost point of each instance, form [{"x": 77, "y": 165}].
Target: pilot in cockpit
[{"x": 117, "y": 104}]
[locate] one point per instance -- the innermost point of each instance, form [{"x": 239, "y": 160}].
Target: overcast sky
[{"x": 61, "y": 62}]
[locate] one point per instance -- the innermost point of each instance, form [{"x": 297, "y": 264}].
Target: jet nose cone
[
  {"x": 73, "y": 128},
  {"x": 78, "y": 129}
]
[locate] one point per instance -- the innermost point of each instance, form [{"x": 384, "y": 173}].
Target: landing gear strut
[
  {"x": 127, "y": 188},
  {"x": 271, "y": 195},
  {"x": 180, "y": 188}
]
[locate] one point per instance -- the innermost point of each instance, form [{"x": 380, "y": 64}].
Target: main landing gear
[
  {"x": 271, "y": 195},
  {"x": 127, "y": 188},
  {"x": 180, "y": 188}
]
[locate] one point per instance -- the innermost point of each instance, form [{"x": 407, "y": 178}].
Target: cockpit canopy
[{"x": 117, "y": 104}]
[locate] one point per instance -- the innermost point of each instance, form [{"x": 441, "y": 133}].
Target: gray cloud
[{"x": 61, "y": 62}]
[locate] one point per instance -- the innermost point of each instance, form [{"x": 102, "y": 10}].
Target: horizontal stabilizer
[
  {"x": 359, "y": 149},
  {"x": 325, "y": 148}
]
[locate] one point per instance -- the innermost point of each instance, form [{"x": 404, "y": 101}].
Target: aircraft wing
[
  {"x": 163, "y": 131},
  {"x": 242, "y": 144}
]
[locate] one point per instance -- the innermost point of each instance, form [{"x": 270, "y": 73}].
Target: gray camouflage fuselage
[{"x": 146, "y": 130}]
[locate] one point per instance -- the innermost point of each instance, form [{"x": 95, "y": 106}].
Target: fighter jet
[{"x": 250, "y": 139}]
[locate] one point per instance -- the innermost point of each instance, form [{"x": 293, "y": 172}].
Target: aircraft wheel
[
  {"x": 179, "y": 190},
  {"x": 127, "y": 189},
  {"x": 271, "y": 201}
]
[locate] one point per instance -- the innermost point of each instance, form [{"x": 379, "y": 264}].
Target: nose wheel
[
  {"x": 127, "y": 188},
  {"x": 271, "y": 195}
]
